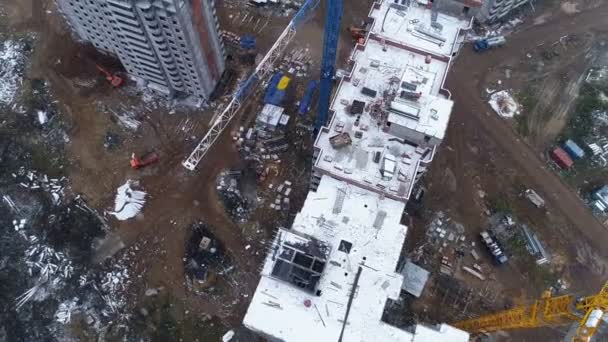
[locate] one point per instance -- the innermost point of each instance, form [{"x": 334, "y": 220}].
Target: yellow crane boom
[{"x": 547, "y": 311}]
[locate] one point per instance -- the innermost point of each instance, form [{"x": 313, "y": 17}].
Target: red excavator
[
  {"x": 357, "y": 33},
  {"x": 115, "y": 81},
  {"x": 143, "y": 161}
]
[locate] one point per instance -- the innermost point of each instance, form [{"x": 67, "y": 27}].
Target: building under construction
[
  {"x": 173, "y": 46},
  {"x": 329, "y": 277}
]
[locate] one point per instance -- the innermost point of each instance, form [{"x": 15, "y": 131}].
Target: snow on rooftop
[
  {"x": 329, "y": 277},
  {"x": 392, "y": 104},
  {"x": 361, "y": 237},
  {"x": 411, "y": 25}
]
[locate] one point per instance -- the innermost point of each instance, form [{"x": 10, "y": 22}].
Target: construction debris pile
[
  {"x": 504, "y": 104},
  {"x": 51, "y": 268},
  {"x": 112, "y": 285},
  {"x": 238, "y": 206},
  {"x": 137, "y": 102},
  {"x": 261, "y": 145},
  {"x": 297, "y": 62},
  {"x": 128, "y": 118},
  {"x": 512, "y": 234},
  {"x": 206, "y": 259},
  {"x": 596, "y": 140},
  {"x": 444, "y": 237},
  {"x": 281, "y": 198},
  {"x": 284, "y": 8},
  {"x": 501, "y": 28},
  {"x": 33, "y": 180},
  {"x": 458, "y": 300},
  {"x": 46, "y": 249},
  {"x": 447, "y": 250}
]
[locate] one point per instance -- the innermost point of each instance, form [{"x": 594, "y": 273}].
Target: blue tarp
[
  {"x": 272, "y": 87},
  {"x": 276, "y": 98},
  {"x": 247, "y": 42},
  {"x": 575, "y": 151},
  {"x": 307, "y": 99}
]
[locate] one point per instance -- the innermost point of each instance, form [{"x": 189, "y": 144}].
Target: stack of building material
[
  {"x": 535, "y": 247},
  {"x": 473, "y": 273},
  {"x": 281, "y": 201},
  {"x": 270, "y": 117}
]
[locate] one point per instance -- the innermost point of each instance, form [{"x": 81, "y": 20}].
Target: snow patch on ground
[
  {"x": 128, "y": 202},
  {"x": 504, "y": 104},
  {"x": 503, "y": 29},
  {"x": 43, "y": 117},
  {"x": 128, "y": 120},
  {"x": 12, "y": 57}
]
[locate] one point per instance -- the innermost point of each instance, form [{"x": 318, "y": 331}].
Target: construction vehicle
[
  {"x": 494, "y": 248},
  {"x": 143, "y": 161},
  {"x": 488, "y": 43},
  {"x": 548, "y": 311},
  {"x": 357, "y": 33},
  {"x": 222, "y": 119},
  {"x": 535, "y": 198},
  {"x": 115, "y": 81}
]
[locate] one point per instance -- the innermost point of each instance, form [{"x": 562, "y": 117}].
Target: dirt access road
[{"x": 470, "y": 109}]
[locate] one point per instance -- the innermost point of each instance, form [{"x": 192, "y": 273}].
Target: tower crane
[
  {"x": 333, "y": 19},
  {"x": 222, "y": 119},
  {"x": 547, "y": 311}
]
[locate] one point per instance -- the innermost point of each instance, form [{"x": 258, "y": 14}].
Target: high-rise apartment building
[
  {"x": 172, "y": 45},
  {"x": 493, "y": 10}
]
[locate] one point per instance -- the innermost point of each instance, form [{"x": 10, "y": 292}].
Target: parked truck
[
  {"x": 488, "y": 43},
  {"x": 535, "y": 198},
  {"x": 494, "y": 248}
]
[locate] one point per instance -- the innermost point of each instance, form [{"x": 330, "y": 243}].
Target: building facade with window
[
  {"x": 494, "y": 10},
  {"x": 172, "y": 45}
]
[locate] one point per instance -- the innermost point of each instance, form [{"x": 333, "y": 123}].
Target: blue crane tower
[
  {"x": 333, "y": 19},
  {"x": 222, "y": 118}
]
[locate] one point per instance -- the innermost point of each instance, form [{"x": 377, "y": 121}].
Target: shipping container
[
  {"x": 307, "y": 99},
  {"x": 575, "y": 151},
  {"x": 562, "y": 158}
]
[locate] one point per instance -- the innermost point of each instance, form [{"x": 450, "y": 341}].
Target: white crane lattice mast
[{"x": 222, "y": 120}]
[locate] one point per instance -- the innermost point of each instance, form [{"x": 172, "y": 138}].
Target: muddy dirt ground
[
  {"x": 482, "y": 152},
  {"x": 100, "y": 139},
  {"x": 484, "y": 156}
]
